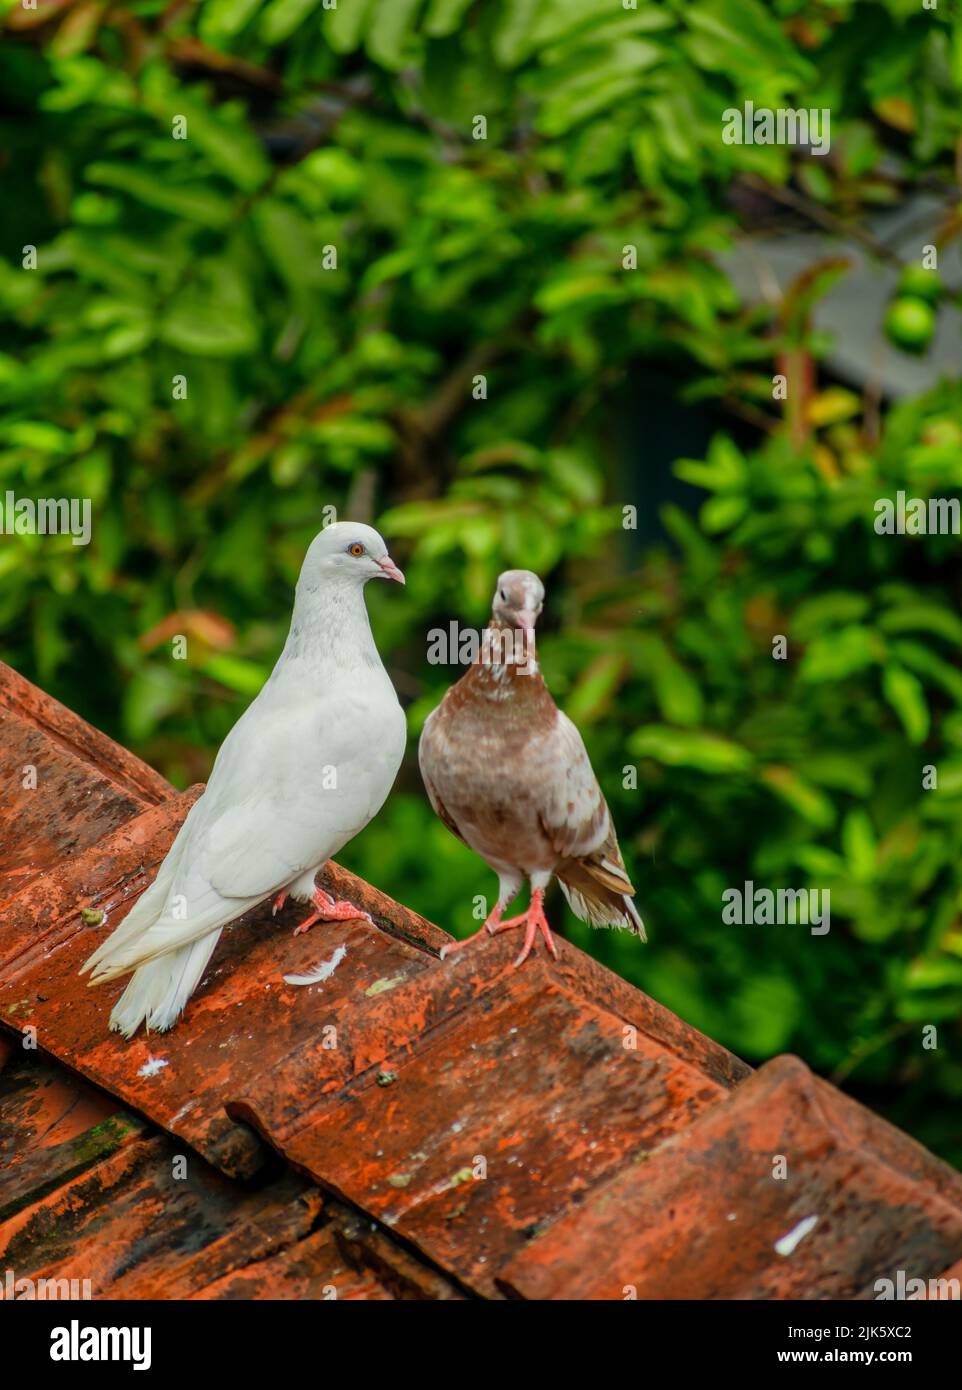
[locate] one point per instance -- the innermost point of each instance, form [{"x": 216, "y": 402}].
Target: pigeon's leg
[
  {"x": 490, "y": 925},
  {"x": 328, "y": 909},
  {"x": 533, "y": 921},
  {"x": 508, "y": 886},
  {"x": 279, "y": 902}
]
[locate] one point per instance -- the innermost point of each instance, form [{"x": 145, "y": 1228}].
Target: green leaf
[
  {"x": 839, "y": 772},
  {"x": 594, "y": 688},
  {"x": 150, "y": 696},
  {"x": 513, "y": 39},
  {"x": 582, "y": 291},
  {"x": 813, "y": 805},
  {"x": 444, "y": 17},
  {"x": 567, "y": 25},
  {"x": 722, "y": 513},
  {"x": 813, "y": 615},
  {"x": 923, "y": 617},
  {"x": 905, "y": 694},
  {"x": 390, "y": 28},
  {"x": 766, "y": 1011},
  {"x": 725, "y": 469},
  {"x": 288, "y": 239},
  {"x": 282, "y": 17},
  {"x": 859, "y": 845},
  {"x": 40, "y": 435},
  {"x": 197, "y": 324},
  {"x": 741, "y": 37},
  {"x": 229, "y": 145},
  {"x": 191, "y": 203},
  {"x": 572, "y": 95},
  {"x": 222, "y": 19},
  {"x": 931, "y": 1007},
  {"x": 677, "y": 693},
  {"x": 246, "y": 677},
  {"x": 841, "y": 654},
  {"x": 925, "y": 662},
  {"x": 934, "y": 973},
  {"x": 680, "y": 748},
  {"x": 344, "y": 26}
]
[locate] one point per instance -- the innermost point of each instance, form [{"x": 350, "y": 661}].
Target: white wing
[
  {"x": 294, "y": 780},
  {"x": 311, "y": 781}
]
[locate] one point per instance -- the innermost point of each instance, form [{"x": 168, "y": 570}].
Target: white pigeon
[{"x": 303, "y": 770}]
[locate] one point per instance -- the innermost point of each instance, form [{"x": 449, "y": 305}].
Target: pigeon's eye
[
  {"x": 356, "y": 548},
  {"x": 504, "y": 596}
]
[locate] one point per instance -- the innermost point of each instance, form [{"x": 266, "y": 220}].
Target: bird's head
[
  {"x": 518, "y": 600},
  {"x": 349, "y": 550}
]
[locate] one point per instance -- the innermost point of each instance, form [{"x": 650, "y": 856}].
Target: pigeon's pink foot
[
  {"x": 450, "y": 948},
  {"x": 533, "y": 921},
  {"x": 279, "y": 902},
  {"x": 490, "y": 925},
  {"x": 328, "y": 909}
]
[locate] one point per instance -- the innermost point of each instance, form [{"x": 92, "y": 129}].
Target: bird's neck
[
  {"x": 330, "y": 629},
  {"x": 506, "y": 667}
]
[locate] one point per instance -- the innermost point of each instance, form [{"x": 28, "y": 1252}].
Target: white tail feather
[
  {"x": 158, "y": 991},
  {"x": 165, "y": 936},
  {"x": 598, "y": 915},
  {"x": 636, "y": 917},
  {"x": 148, "y": 908}
]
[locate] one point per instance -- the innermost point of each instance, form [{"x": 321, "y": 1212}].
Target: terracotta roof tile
[
  {"x": 142, "y": 1217},
  {"x": 245, "y": 1022},
  {"x": 309, "y": 1269},
  {"x": 246, "y": 1027},
  {"x": 705, "y": 1215},
  {"x": 54, "y": 1127},
  {"x": 471, "y": 1064},
  {"x": 548, "y": 1132},
  {"x": 138, "y": 1231},
  {"x": 95, "y": 785}
]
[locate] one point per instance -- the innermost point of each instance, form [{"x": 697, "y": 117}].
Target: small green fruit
[
  {"x": 910, "y": 323},
  {"x": 920, "y": 283}
]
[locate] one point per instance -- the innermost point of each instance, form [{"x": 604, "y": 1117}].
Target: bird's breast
[{"x": 490, "y": 779}]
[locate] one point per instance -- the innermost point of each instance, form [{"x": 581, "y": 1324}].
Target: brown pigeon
[{"x": 508, "y": 773}]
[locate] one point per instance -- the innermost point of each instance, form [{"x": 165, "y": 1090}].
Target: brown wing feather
[
  {"x": 577, "y": 821},
  {"x": 573, "y": 814},
  {"x": 440, "y": 810}
]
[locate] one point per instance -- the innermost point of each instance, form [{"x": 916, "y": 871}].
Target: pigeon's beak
[
  {"x": 391, "y": 570},
  {"x": 526, "y": 621}
]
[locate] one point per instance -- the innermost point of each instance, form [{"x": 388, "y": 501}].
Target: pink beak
[
  {"x": 526, "y": 621},
  {"x": 391, "y": 570}
]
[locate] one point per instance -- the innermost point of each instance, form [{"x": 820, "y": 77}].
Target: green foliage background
[{"x": 311, "y": 127}]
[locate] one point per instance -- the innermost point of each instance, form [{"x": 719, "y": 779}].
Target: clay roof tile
[{"x": 421, "y": 1129}]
